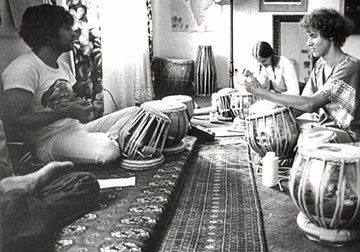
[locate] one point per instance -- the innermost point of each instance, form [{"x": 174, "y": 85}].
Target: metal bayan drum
[
  {"x": 142, "y": 139},
  {"x": 274, "y": 131},
  {"x": 185, "y": 99},
  {"x": 324, "y": 184},
  {"x": 179, "y": 124}
]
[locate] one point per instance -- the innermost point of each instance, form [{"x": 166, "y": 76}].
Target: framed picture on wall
[{"x": 283, "y": 5}]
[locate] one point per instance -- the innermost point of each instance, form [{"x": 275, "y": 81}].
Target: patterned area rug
[
  {"x": 218, "y": 209},
  {"x": 128, "y": 219}
]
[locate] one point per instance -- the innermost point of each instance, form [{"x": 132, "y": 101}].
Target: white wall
[
  {"x": 11, "y": 45},
  {"x": 250, "y": 25}
]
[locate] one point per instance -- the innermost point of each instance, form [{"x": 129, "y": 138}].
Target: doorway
[{"x": 290, "y": 41}]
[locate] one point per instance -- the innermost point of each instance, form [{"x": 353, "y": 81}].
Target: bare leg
[{"x": 30, "y": 182}]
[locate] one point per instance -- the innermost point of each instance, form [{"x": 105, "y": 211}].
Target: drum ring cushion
[{"x": 332, "y": 237}]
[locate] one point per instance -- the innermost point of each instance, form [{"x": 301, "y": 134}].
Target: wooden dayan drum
[
  {"x": 179, "y": 125},
  {"x": 142, "y": 139},
  {"x": 240, "y": 106}
]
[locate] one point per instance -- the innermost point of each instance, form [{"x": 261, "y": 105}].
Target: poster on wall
[{"x": 193, "y": 15}]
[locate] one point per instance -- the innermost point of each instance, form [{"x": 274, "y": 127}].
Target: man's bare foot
[{"x": 30, "y": 182}]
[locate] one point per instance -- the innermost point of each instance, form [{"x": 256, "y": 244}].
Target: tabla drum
[
  {"x": 261, "y": 107},
  {"x": 142, "y": 139},
  {"x": 324, "y": 185},
  {"x": 240, "y": 104},
  {"x": 179, "y": 124},
  {"x": 223, "y": 104},
  {"x": 185, "y": 99},
  {"x": 173, "y": 76},
  {"x": 318, "y": 137},
  {"x": 274, "y": 131}
]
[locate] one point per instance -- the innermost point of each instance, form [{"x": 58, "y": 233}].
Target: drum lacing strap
[
  {"x": 302, "y": 192},
  {"x": 340, "y": 197},
  {"x": 358, "y": 193},
  {"x": 142, "y": 129},
  {"x": 123, "y": 133},
  {"x": 156, "y": 136}
]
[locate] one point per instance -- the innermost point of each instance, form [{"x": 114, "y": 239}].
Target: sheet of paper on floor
[{"x": 117, "y": 182}]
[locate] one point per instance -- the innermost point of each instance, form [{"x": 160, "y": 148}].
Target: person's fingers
[{"x": 63, "y": 164}]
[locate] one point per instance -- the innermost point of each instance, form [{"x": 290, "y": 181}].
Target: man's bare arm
[{"x": 16, "y": 112}]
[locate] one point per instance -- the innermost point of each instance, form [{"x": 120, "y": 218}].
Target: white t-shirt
[
  {"x": 282, "y": 79},
  {"x": 49, "y": 86}
]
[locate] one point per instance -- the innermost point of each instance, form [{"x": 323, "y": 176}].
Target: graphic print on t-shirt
[{"x": 59, "y": 93}]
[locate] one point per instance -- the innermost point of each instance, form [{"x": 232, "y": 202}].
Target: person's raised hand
[{"x": 251, "y": 84}]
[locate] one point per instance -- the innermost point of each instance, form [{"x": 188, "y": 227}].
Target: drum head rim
[
  {"x": 180, "y": 98},
  {"x": 333, "y": 151},
  {"x": 322, "y": 133},
  {"x": 176, "y": 60},
  {"x": 311, "y": 139},
  {"x": 157, "y": 113},
  {"x": 268, "y": 113},
  {"x": 165, "y": 106},
  {"x": 238, "y": 93},
  {"x": 225, "y": 91}
]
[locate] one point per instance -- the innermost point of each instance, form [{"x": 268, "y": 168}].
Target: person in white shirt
[
  {"x": 276, "y": 73},
  {"x": 40, "y": 103}
]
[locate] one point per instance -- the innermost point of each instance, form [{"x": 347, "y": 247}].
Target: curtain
[
  {"x": 150, "y": 34},
  {"x": 125, "y": 51},
  {"x": 87, "y": 59}
]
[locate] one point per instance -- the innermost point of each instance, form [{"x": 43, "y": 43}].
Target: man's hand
[{"x": 79, "y": 109}]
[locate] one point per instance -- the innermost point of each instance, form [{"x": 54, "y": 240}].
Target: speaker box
[{"x": 352, "y": 11}]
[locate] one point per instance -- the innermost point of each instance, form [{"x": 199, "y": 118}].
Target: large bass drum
[{"x": 173, "y": 76}]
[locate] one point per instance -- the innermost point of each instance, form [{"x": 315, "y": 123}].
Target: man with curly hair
[
  {"x": 334, "y": 84},
  {"x": 40, "y": 102}
]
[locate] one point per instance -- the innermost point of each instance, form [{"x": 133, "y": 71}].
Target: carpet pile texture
[{"x": 218, "y": 209}]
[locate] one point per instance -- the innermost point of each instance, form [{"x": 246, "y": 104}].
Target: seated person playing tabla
[
  {"x": 333, "y": 87},
  {"x": 39, "y": 101}
]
